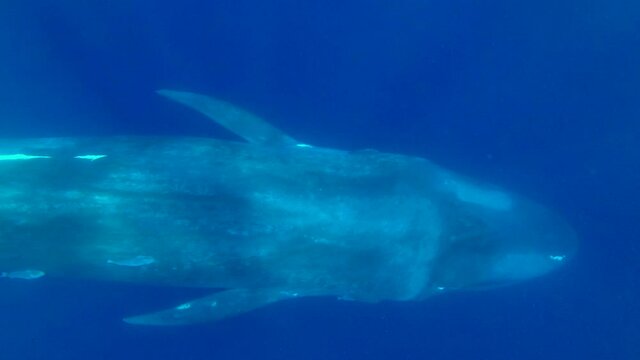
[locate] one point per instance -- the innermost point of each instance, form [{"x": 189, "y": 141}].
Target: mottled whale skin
[{"x": 264, "y": 220}]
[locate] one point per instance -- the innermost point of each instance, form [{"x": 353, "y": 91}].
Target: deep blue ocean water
[{"x": 542, "y": 97}]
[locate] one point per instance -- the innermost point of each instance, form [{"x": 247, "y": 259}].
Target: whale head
[{"x": 493, "y": 238}]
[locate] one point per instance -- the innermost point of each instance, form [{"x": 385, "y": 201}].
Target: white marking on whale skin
[
  {"x": 557, "y": 257},
  {"x": 289, "y": 293},
  {"x": 184, "y": 306},
  {"x": 90, "y": 157},
  {"x": 13, "y": 157},
  {"x": 301, "y": 145},
  {"x": 136, "y": 261},
  {"x": 28, "y": 274}
]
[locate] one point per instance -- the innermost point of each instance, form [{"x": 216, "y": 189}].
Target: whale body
[{"x": 260, "y": 221}]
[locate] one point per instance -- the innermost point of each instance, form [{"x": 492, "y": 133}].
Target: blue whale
[{"x": 264, "y": 220}]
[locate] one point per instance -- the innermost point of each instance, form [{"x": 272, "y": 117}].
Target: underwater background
[{"x": 541, "y": 97}]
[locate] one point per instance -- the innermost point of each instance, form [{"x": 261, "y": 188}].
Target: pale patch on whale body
[
  {"x": 14, "y": 157},
  {"x": 136, "y": 261},
  {"x": 28, "y": 274},
  {"x": 470, "y": 193},
  {"x": 184, "y": 306},
  {"x": 90, "y": 157}
]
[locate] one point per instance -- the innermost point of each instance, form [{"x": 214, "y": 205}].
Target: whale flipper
[
  {"x": 241, "y": 122},
  {"x": 213, "y": 307}
]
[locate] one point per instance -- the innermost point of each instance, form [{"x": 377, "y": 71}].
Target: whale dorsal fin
[{"x": 241, "y": 122}]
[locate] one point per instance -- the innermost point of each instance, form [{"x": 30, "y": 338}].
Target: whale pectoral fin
[
  {"x": 241, "y": 122},
  {"x": 213, "y": 307}
]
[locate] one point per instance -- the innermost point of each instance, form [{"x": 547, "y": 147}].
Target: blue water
[{"x": 542, "y": 97}]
